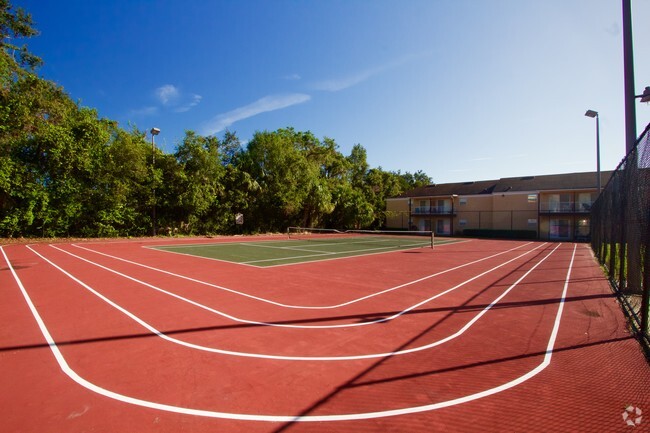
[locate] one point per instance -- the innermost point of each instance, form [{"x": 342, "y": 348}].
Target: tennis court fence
[{"x": 620, "y": 221}]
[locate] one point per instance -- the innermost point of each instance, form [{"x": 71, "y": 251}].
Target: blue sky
[{"x": 463, "y": 90}]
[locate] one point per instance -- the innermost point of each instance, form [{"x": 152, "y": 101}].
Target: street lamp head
[
  {"x": 645, "y": 96},
  {"x": 155, "y": 131},
  {"x": 591, "y": 113}
]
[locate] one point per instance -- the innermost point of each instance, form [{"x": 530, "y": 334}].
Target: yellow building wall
[
  {"x": 513, "y": 211},
  {"x": 534, "y": 211},
  {"x": 544, "y": 227},
  {"x": 474, "y": 211},
  {"x": 397, "y": 213}
]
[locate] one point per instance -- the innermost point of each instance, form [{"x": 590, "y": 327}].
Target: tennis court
[
  {"x": 307, "y": 245},
  {"x": 232, "y": 334}
]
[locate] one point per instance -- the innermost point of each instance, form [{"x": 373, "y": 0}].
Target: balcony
[
  {"x": 565, "y": 207},
  {"x": 432, "y": 210}
]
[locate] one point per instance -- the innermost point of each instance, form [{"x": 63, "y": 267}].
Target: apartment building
[{"x": 549, "y": 207}]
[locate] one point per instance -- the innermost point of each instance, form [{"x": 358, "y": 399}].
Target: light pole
[
  {"x": 154, "y": 132},
  {"x": 628, "y": 78},
  {"x": 451, "y": 219},
  {"x": 594, "y": 115}
]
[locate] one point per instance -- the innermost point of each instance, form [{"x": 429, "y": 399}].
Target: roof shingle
[{"x": 567, "y": 181}]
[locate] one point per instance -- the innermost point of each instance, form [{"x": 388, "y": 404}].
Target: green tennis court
[{"x": 307, "y": 246}]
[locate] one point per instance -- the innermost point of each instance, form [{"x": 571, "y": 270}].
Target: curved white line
[
  {"x": 164, "y": 336},
  {"x": 294, "y": 418},
  {"x": 327, "y": 307},
  {"x": 281, "y": 325}
]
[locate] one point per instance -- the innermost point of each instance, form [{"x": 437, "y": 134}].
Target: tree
[
  {"x": 15, "y": 25},
  {"x": 229, "y": 148},
  {"x": 358, "y": 165},
  {"x": 65, "y": 171},
  {"x": 295, "y": 172},
  {"x": 201, "y": 164},
  {"x": 50, "y": 147},
  {"x": 414, "y": 180},
  {"x": 122, "y": 197}
]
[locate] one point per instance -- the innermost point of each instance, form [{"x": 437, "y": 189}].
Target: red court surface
[{"x": 476, "y": 336}]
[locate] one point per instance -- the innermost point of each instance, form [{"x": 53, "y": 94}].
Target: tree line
[{"x": 64, "y": 171}]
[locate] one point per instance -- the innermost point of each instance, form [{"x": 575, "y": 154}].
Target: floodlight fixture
[
  {"x": 591, "y": 113},
  {"x": 645, "y": 96},
  {"x": 155, "y": 131}
]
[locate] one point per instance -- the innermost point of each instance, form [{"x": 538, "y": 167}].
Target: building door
[
  {"x": 559, "y": 202},
  {"x": 424, "y": 225},
  {"x": 584, "y": 202},
  {"x": 560, "y": 229},
  {"x": 583, "y": 230},
  {"x": 443, "y": 227}
]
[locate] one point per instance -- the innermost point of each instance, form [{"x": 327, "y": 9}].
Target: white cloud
[
  {"x": 337, "y": 84},
  {"x": 173, "y": 98},
  {"x": 192, "y": 101},
  {"x": 144, "y": 111},
  {"x": 342, "y": 83},
  {"x": 167, "y": 94},
  {"x": 168, "y": 97},
  {"x": 263, "y": 105},
  {"x": 292, "y": 77}
]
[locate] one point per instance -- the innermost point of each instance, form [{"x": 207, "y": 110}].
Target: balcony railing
[
  {"x": 565, "y": 207},
  {"x": 432, "y": 210}
]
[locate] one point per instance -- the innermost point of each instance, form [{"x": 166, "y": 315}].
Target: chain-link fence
[{"x": 621, "y": 234}]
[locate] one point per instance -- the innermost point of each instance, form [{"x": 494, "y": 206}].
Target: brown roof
[
  {"x": 568, "y": 181},
  {"x": 447, "y": 189}
]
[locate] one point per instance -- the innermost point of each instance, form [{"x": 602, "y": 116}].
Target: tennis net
[{"x": 384, "y": 238}]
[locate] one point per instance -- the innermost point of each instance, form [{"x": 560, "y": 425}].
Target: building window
[
  {"x": 532, "y": 222},
  {"x": 462, "y": 222},
  {"x": 532, "y": 198},
  {"x": 462, "y": 200}
]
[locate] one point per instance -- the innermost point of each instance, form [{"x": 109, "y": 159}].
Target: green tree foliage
[
  {"x": 66, "y": 172},
  {"x": 50, "y": 148},
  {"x": 278, "y": 162},
  {"x": 203, "y": 172},
  {"x": 16, "y": 25},
  {"x": 121, "y": 195}
]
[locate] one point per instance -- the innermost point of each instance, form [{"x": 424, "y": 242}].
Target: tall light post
[
  {"x": 154, "y": 132},
  {"x": 451, "y": 228},
  {"x": 594, "y": 115},
  {"x": 628, "y": 78}
]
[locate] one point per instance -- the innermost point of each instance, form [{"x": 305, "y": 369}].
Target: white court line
[
  {"x": 251, "y": 244},
  {"x": 329, "y": 258},
  {"x": 326, "y": 254},
  {"x": 219, "y": 244},
  {"x": 295, "y": 418},
  {"x": 277, "y": 325},
  {"x": 160, "y": 334},
  {"x": 327, "y": 307},
  {"x": 197, "y": 257}
]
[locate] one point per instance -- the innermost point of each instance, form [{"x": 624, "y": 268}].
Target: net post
[{"x": 432, "y": 239}]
